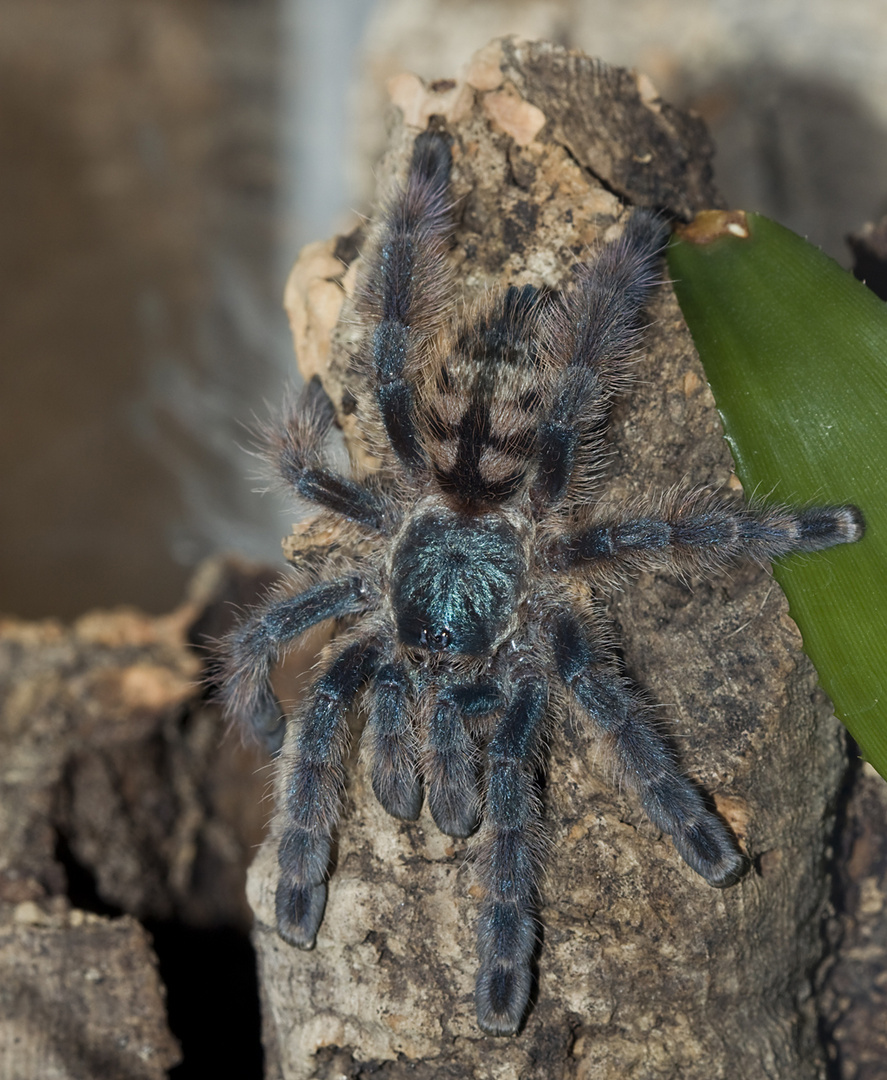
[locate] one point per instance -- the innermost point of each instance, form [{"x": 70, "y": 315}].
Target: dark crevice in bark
[
  {"x": 210, "y": 977},
  {"x": 212, "y": 999}
]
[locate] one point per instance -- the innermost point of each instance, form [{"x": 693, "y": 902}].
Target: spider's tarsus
[
  {"x": 700, "y": 837},
  {"x": 299, "y": 910},
  {"x": 853, "y": 523},
  {"x": 506, "y": 941},
  {"x": 303, "y": 856},
  {"x": 708, "y": 847},
  {"x": 731, "y": 872},
  {"x": 454, "y": 807},
  {"x": 646, "y": 230},
  {"x": 400, "y": 796},
  {"x": 824, "y": 526},
  {"x": 501, "y": 995},
  {"x": 433, "y": 159}
]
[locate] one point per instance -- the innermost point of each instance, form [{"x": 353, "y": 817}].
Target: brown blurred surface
[{"x": 136, "y": 167}]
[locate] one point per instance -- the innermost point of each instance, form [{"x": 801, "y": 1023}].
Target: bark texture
[
  {"x": 71, "y": 1006},
  {"x": 119, "y": 798},
  {"x": 853, "y": 979},
  {"x": 644, "y": 972}
]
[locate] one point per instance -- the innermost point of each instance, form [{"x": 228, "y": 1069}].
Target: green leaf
[{"x": 795, "y": 350}]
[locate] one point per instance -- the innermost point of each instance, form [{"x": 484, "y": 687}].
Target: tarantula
[{"x": 471, "y": 601}]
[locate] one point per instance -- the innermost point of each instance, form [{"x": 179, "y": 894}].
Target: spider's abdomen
[
  {"x": 481, "y": 409},
  {"x": 456, "y": 581}
]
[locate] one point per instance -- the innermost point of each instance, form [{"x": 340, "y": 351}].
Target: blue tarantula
[{"x": 469, "y": 590}]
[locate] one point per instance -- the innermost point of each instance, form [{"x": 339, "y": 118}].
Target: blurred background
[{"x": 162, "y": 162}]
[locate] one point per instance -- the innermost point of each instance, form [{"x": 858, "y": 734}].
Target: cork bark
[
  {"x": 121, "y": 802},
  {"x": 80, "y": 994},
  {"x": 644, "y": 970}
]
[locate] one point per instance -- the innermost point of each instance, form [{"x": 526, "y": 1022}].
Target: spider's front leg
[
  {"x": 671, "y": 802},
  {"x": 450, "y": 757},
  {"x": 313, "y": 793},
  {"x": 390, "y": 743},
  {"x": 445, "y": 755},
  {"x": 508, "y": 860}
]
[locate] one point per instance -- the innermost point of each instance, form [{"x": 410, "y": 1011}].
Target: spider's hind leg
[
  {"x": 295, "y": 447},
  {"x": 591, "y": 335},
  {"x": 671, "y": 802}
]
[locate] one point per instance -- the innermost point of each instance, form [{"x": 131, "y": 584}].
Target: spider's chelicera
[{"x": 469, "y": 595}]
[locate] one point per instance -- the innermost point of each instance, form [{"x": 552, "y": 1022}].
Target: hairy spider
[{"x": 471, "y": 595}]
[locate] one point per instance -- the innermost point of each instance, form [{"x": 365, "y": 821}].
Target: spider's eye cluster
[
  {"x": 456, "y": 581},
  {"x": 437, "y": 641}
]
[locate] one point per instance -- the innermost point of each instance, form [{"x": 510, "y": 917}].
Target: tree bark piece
[
  {"x": 80, "y": 998},
  {"x": 119, "y": 796},
  {"x": 853, "y": 999},
  {"x": 644, "y": 971}
]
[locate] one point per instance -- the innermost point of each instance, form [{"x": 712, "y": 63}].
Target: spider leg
[
  {"x": 698, "y": 533},
  {"x": 591, "y": 334},
  {"x": 672, "y": 803},
  {"x": 407, "y": 279},
  {"x": 389, "y": 739},
  {"x": 508, "y": 862},
  {"x": 313, "y": 790},
  {"x": 251, "y": 651},
  {"x": 450, "y": 758},
  {"x": 295, "y": 448}
]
